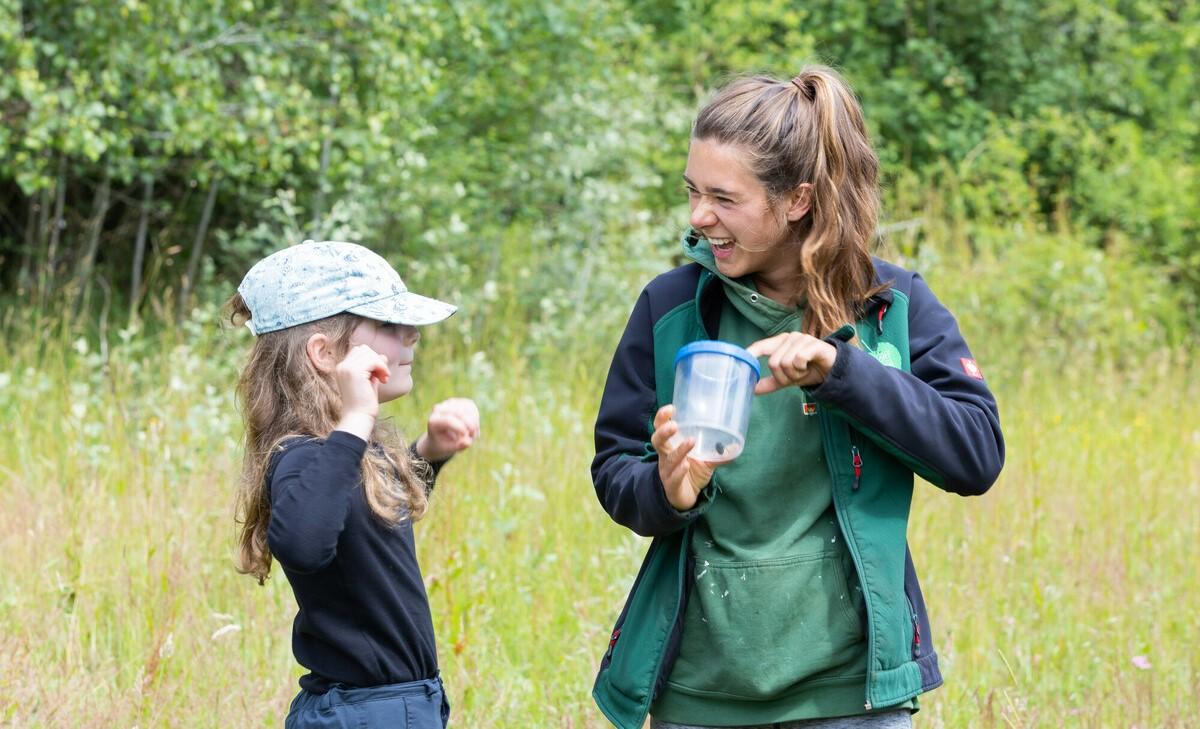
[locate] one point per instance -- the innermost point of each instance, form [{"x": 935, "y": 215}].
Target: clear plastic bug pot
[{"x": 714, "y": 388}]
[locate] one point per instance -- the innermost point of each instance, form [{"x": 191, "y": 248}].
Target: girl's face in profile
[
  {"x": 398, "y": 343},
  {"x": 731, "y": 208}
]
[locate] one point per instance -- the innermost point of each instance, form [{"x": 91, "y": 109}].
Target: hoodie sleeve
[
  {"x": 311, "y": 488},
  {"x": 625, "y": 470},
  {"x": 427, "y": 471},
  {"x": 941, "y": 420}
]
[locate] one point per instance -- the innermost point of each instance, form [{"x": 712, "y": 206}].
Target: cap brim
[{"x": 406, "y": 308}]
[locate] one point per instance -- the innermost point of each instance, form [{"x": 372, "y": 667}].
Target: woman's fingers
[
  {"x": 765, "y": 347},
  {"x": 665, "y": 414},
  {"x": 766, "y": 386},
  {"x": 788, "y": 364},
  {"x": 664, "y": 428},
  {"x": 672, "y": 449},
  {"x": 678, "y": 474},
  {"x": 668, "y": 445},
  {"x": 773, "y": 349},
  {"x": 682, "y": 476},
  {"x": 793, "y": 358},
  {"x": 676, "y": 466}
]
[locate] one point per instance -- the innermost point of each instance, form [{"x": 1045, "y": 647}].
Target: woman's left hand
[
  {"x": 453, "y": 427},
  {"x": 794, "y": 359}
]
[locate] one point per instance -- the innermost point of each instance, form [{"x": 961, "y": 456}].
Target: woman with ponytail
[{"x": 779, "y": 590}]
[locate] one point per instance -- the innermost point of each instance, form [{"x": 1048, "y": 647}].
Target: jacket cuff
[
  {"x": 349, "y": 441},
  {"x": 675, "y": 516},
  {"x": 428, "y": 475},
  {"x": 834, "y": 383}
]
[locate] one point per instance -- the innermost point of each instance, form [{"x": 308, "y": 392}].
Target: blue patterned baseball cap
[{"x": 316, "y": 279}]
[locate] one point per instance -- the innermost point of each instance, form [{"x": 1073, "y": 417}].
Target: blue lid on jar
[{"x": 710, "y": 346}]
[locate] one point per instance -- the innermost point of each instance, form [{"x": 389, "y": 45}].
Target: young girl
[
  {"x": 779, "y": 590},
  {"x": 327, "y": 490}
]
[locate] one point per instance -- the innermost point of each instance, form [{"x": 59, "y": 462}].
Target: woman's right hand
[
  {"x": 683, "y": 477},
  {"x": 357, "y": 377}
]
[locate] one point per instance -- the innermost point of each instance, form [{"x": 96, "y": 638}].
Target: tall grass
[{"x": 1065, "y": 596}]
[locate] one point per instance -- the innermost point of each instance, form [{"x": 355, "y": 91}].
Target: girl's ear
[
  {"x": 320, "y": 353},
  {"x": 799, "y": 202}
]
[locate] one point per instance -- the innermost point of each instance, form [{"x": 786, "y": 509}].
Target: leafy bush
[{"x": 156, "y": 149}]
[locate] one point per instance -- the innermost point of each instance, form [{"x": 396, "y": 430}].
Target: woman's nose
[{"x": 702, "y": 215}]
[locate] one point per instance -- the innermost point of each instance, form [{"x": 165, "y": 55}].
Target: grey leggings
[{"x": 898, "y": 719}]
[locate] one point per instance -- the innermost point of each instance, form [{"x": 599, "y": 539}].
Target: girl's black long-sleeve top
[{"x": 363, "y": 616}]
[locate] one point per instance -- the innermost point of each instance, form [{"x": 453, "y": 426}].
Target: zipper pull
[
  {"x": 612, "y": 642},
  {"x": 916, "y": 623},
  {"x": 879, "y": 325},
  {"x": 856, "y": 460}
]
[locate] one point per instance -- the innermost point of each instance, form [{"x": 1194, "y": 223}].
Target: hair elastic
[{"x": 804, "y": 88}]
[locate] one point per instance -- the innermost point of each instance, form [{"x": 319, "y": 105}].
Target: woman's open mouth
[{"x": 721, "y": 247}]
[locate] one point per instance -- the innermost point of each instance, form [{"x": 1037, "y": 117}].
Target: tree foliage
[{"x": 154, "y": 147}]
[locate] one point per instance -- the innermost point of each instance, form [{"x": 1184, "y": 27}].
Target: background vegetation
[{"x": 522, "y": 159}]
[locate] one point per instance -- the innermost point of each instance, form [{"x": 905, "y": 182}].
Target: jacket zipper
[
  {"x": 916, "y": 623},
  {"x": 848, "y": 534},
  {"x": 856, "y": 461},
  {"x": 687, "y": 534}
]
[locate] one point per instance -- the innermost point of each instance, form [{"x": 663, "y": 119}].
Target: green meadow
[
  {"x": 522, "y": 158},
  {"x": 1063, "y": 597}
]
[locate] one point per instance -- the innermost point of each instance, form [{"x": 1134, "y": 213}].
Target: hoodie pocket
[{"x": 756, "y": 629}]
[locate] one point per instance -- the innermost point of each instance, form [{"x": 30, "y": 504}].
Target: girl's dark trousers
[{"x": 415, "y": 705}]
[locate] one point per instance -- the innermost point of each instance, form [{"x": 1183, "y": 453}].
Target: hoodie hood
[{"x": 764, "y": 312}]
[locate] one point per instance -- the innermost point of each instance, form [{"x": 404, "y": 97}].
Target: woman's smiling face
[{"x": 730, "y": 207}]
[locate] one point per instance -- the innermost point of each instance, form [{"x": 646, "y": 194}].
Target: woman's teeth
[{"x": 722, "y": 243}]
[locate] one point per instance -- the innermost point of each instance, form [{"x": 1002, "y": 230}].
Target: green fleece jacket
[{"x": 774, "y": 627}]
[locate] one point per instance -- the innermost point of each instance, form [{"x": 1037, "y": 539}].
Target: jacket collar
[{"x": 708, "y": 297}]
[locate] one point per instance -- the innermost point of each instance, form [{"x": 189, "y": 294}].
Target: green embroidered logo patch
[{"x": 887, "y": 354}]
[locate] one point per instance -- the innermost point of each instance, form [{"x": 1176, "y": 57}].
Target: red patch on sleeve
[{"x": 971, "y": 368}]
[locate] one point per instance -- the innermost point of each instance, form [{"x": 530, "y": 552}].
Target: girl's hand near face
[
  {"x": 453, "y": 427},
  {"x": 794, "y": 359},
  {"x": 683, "y": 477},
  {"x": 357, "y": 378}
]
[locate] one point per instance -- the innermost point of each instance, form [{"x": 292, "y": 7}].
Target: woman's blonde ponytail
[{"x": 810, "y": 130}]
